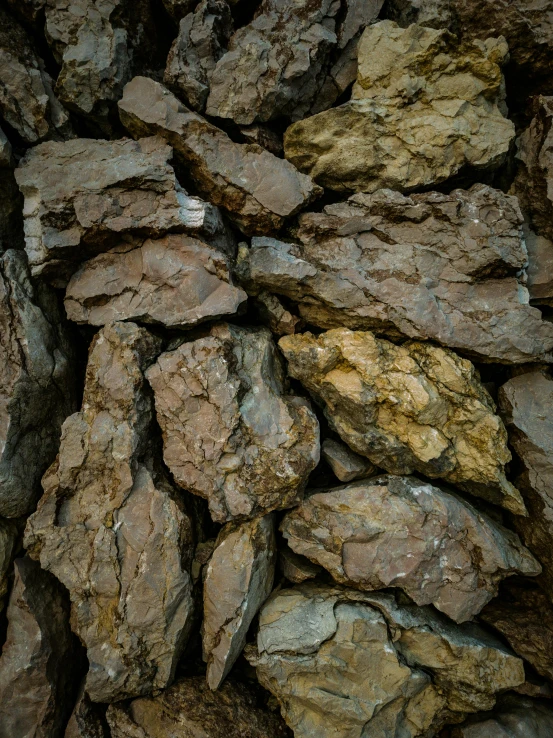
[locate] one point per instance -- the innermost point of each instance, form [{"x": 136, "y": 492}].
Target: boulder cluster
[{"x": 276, "y": 387}]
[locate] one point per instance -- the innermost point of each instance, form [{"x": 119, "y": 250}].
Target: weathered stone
[
  {"x": 345, "y": 464},
  {"x": 274, "y": 315},
  {"x": 414, "y": 407},
  {"x": 39, "y": 663},
  {"x": 8, "y": 538},
  {"x": 264, "y": 137},
  {"x": 400, "y": 532},
  {"x": 424, "y": 107},
  {"x": 85, "y": 196},
  {"x": 230, "y": 432},
  {"x": 349, "y": 664},
  {"x": 27, "y": 101},
  {"x": 540, "y": 268},
  {"x": 189, "y": 708},
  {"x": 87, "y": 719},
  {"x": 428, "y": 13},
  {"x": 36, "y": 384},
  {"x": 295, "y": 568},
  {"x": 257, "y": 189},
  {"x": 177, "y": 9},
  {"x": 449, "y": 268},
  {"x": 175, "y": 281},
  {"x": 202, "y": 41},
  {"x": 112, "y": 530},
  {"x": 514, "y": 717},
  {"x": 238, "y": 580}
]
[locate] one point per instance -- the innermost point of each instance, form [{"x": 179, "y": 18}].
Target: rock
[
  {"x": 400, "y": 532},
  {"x": 189, "y": 708},
  {"x": 39, "y": 662},
  {"x": 177, "y": 9},
  {"x": 87, "y": 719},
  {"x": 424, "y": 108},
  {"x": 257, "y": 189},
  {"x": 177, "y": 281},
  {"x": 8, "y": 541},
  {"x": 297, "y": 569},
  {"x": 514, "y": 717},
  {"x": 230, "y": 432},
  {"x": 112, "y": 530},
  {"x": 6, "y": 153},
  {"x": 345, "y": 464},
  {"x": 202, "y": 41},
  {"x": 526, "y": 405},
  {"x": 264, "y": 137},
  {"x": 274, "y": 315},
  {"x": 239, "y": 579},
  {"x": 523, "y": 615},
  {"x": 348, "y": 664},
  {"x": 540, "y": 269},
  {"x": 27, "y": 101},
  {"x": 414, "y": 407},
  {"x": 428, "y": 13},
  {"x": 11, "y": 202},
  {"x": 449, "y": 268},
  {"x": 107, "y": 192},
  {"x": 37, "y": 384}
]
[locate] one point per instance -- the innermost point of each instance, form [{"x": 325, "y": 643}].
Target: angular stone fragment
[
  {"x": 230, "y": 432},
  {"x": 414, "y": 407},
  {"x": 257, "y": 189},
  {"x": 297, "y": 569},
  {"x": 514, "y": 717},
  {"x": 111, "y": 529},
  {"x": 274, "y": 315},
  {"x": 37, "y": 381},
  {"x": 87, "y": 719},
  {"x": 39, "y": 667},
  {"x": 177, "y": 281},
  {"x": 345, "y": 464},
  {"x": 190, "y": 708},
  {"x": 238, "y": 580},
  {"x": 399, "y": 532},
  {"x": 348, "y": 664},
  {"x": 540, "y": 269},
  {"x": 424, "y": 107},
  {"x": 84, "y": 196},
  {"x": 448, "y": 268},
  {"x": 202, "y": 40}
]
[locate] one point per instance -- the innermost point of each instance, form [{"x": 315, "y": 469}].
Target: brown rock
[
  {"x": 346, "y": 465},
  {"x": 87, "y": 719},
  {"x": 257, "y": 189},
  {"x": 540, "y": 268},
  {"x": 514, "y": 717},
  {"x": 230, "y": 432},
  {"x": 111, "y": 529},
  {"x": 295, "y": 568},
  {"x": 272, "y": 313},
  {"x": 414, "y": 407}
]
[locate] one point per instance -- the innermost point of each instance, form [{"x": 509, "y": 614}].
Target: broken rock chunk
[{"x": 345, "y": 464}]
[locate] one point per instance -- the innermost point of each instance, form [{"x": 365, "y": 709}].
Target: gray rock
[
  {"x": 514, "y": 717},
  {"x": 230, "y": 432},
  {"x": 345, "y": 463},
  {"x": 540, "y": 268}
]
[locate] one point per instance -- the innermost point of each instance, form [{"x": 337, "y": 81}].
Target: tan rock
[
  {"x": 424, "y": 107},
  {"x": 414, "y": 407},
  {"x": 111, "y": 529},
  {"x": 295, "y": 568},
  {"x": 230, "y": 432},
  {"x": 345, "y": 464}
]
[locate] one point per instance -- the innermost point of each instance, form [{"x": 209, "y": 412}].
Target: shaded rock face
[
  {"x": 189, "y": 708},
  {"x": 110, "y": 528},
  {"x": 230, "y": 433},
  {"x": 449, "y": 268},
  {"x": 356, "y": 664},
  {"x": 11, "y": 202},
  {"x": 256, "y": 188},
  {"x": 453, "y": 118},
  {"x": 87, "y": 720},
  {"x": 514, "y": 717},
  {"x": 37, "y": 384},
  {"x": 540, "y": 269},
  {"x": 345, "y": 464},
  {"x": 238, "y": 580},
  {"x": 8, "y": 540},
  {"x": 39, "y": 666},
  {"x": 177, "y": 281},
  {"x": 414, "y": 407},
  {"x": 177, "y": 9},
  {"x": 445, "y": 553}
]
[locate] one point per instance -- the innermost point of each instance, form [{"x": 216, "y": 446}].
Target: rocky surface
[
  {"x": 238, "y": 580},
  {"x": 87, "y": 719},
  {"x": 514, "y": 717},
  {"x": 414, "y": 407},
  {"x": 177, "y": 281},
  {"x": 540, "y": 269},
  {"x": 424, "y": 108},
  {"x": 346, "y": 465},
  {"x": 256, "y": 188},
  {"x": 295, "y": 568},
  {"x": 39, "y": 662},
  {"x": 357, "y": 664},
  {"x": 111, "y": 529},
  {"x": 230, "y": 432},
  {"x": 449, "y": 268},
  {"x": 8, "y": 547}
]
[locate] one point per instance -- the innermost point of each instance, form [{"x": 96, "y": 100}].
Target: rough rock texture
[
  {"x": 445, "y": 552},
  {"x": 202, "y": 41},
  {"x": 349, "y": 664},
  {"x": 345, "y": 464},
  {"x": 8, "y": 538},
  {"x": 428, "y": 13},
  {"x": 189, "y": 708},
  {"x": 87, "y": 719},
  {"x": 277, "y": 65},
  {"x": 257, "y": 189},
  {"x": 112, "y": 531},
  {"x": 414, "y": 407},
  {"x": 37, "y": 381},
  {"x": 295, "y": 568},
  {"x": 430, "y": 266},
  {"x": 39, "y": 663},
  {"x": 514, "y": 717},
  {"x": 540, "y": 269},
  {"x": 274, "y": 315},
  {"x": 177, "y": 281},
  {"x": 230, "y": 432},
  {"x": 424, "y": 107},
  {"x": 85, "y": 195},
  {"x": 238, "y": 580}
]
